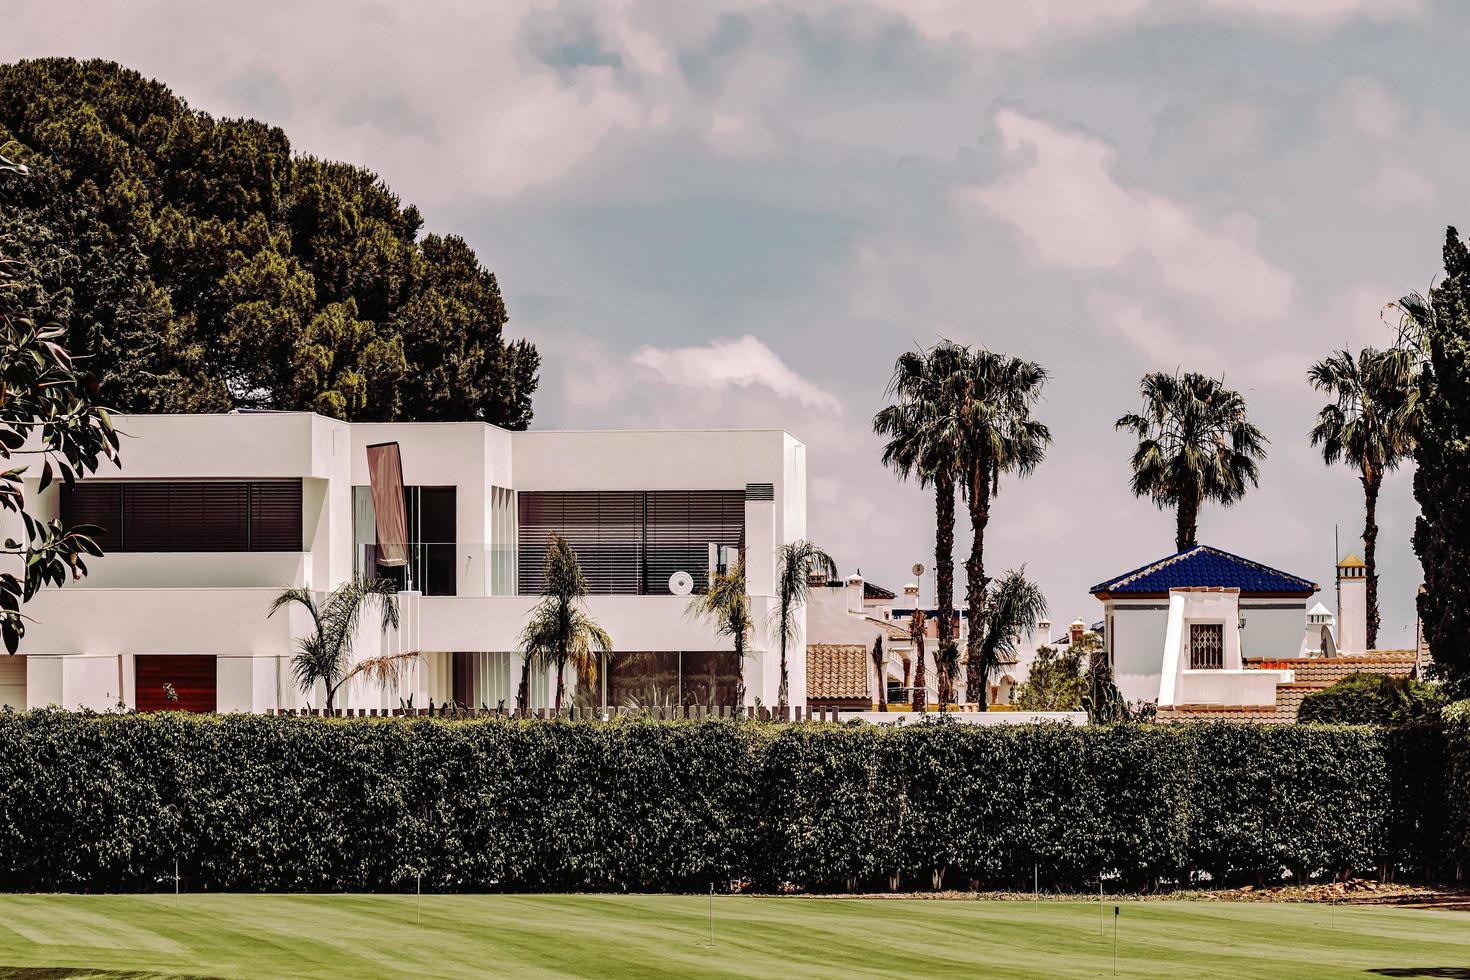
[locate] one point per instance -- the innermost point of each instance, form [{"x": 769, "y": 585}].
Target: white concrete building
[
  {"x": 212, "y": 515},
  {"x": 1181, "y": 629}
]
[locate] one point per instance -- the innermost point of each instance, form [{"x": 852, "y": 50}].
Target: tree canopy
[
  {"x": 197, "y": 264},
  {"x": 1196, "y": 444}
]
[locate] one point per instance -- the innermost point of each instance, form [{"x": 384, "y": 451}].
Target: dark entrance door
[{"x": 193, "y": 678}]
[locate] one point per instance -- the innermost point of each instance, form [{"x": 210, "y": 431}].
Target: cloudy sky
[{"x": 726, "y": 214}]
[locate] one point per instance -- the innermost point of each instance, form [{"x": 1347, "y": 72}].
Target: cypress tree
[{"x": 1442, "y": 481}]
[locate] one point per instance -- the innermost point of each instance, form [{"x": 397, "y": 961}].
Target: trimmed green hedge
[{"x": 104, "y": 803}]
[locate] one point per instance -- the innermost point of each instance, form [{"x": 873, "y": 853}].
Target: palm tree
[
  {"x": 560, "y": 632},
  {"x": 1195, "y": 444},
  {"x": 1365, "y": 426},
  {"x": 993, "y": 398},
  {"x": 1012, "y": 607},
  {"x": 795, "y": 564},
  {"x": 326, "y": 654},
  {"x": 881, "y": 672},
  {"x": 924, "y": 440},
  {"x": 726, "y": 606},
  {"x": 919, "y": 694}
]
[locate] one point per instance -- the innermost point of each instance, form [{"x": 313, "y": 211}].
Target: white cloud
[
  {"x": 742, "y": 363},
  {"x": 1158, "y": 342},
  {"x": 1011, "y": 24},
  {"x": 1369, "y": 108},
  {"x": 1397, "y": 186},
  {"x": 1320, "y": 11},
  {"x": 433, "y": 102},
  {"x": 1066, "y": 202}
]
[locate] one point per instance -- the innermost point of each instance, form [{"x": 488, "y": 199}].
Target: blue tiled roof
[{"x": 1203, "y": 566}]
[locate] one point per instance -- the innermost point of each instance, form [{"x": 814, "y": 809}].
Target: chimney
[
  {"x": 1043, "y": 633},
  {"x": 1075, "y": 631},
  {"x": 1319, "y": 620},
  {"x": 1352, "y": 605},
  {"x": 855, "y": 594}
]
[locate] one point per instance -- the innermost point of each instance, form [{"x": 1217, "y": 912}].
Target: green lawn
[{"x": 114, "y": 936}]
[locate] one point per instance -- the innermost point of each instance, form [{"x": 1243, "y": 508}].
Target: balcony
[
  {"x": 445, "y": 568},
  {"x": 491, "y": 623}
]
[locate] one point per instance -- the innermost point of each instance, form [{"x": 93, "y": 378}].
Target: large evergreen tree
[
  {"x": 198, "y": 265},
  {"x": 1441, "y": 332}
]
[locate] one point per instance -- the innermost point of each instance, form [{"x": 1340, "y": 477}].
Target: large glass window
[
  {"x": 432, "y": 541},
  {"x": 630, "y": 542},
  {"x": 665, "y": 678},
  {"x": 502, "y": 541},
  {"x": 188, "y": 515}
]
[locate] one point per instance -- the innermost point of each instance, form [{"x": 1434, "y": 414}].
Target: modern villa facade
[{"x": 212, "y": 516}]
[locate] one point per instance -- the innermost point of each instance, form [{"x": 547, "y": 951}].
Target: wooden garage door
[
  {"x": 194, "y": 681},
  {"x": 13, "y": 681}
]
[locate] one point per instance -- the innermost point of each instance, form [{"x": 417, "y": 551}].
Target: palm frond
[
  {"x": 384, "y": 670},
  {"x": 1013, "y": 605}
]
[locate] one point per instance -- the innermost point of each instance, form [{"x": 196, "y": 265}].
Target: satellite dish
[
  {"x": 681, "y": 583},
  {"x": 918, "y": 569}
]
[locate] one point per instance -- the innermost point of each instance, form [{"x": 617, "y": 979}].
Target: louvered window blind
[
  {"x": 188, "y": 515},
  {"x": 629, "y": 542}
]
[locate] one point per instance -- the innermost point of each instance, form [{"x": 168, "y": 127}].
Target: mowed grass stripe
[{"x": 250, "y": 936}]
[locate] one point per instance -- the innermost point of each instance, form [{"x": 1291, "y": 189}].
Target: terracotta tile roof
[
  {"x": 1320, "y": 672},
  {"x": 1264, "y": 714},
  {"x": 1312, "y": 674},
  {"x": 871, "y": 591},
  {"x": 837, "y": 670}
]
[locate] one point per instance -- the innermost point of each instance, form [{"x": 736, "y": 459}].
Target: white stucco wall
[{"x": 1135, "y": 641}]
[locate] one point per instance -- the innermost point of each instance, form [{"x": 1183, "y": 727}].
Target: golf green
[{"x": 113, "y": 936}]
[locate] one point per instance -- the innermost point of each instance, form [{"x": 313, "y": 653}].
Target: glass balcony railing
[{"x": 443, "y": 567}]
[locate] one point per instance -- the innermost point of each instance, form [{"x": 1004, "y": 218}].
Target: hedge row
[{"x": 103, "y": 803}]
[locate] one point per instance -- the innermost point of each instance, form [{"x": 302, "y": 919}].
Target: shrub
[
  {"x": 1372, "y": 699},
  {"x": 106, "y": 803}
]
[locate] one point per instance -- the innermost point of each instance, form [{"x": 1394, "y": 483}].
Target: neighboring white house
[
  {"x": 212, "y": 515},
  {"x": 852, "y": 612},
  {"x": 1180, "y": 629},
  {"x": 1209, "y": 634}
]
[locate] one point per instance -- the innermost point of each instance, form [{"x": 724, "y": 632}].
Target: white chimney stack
[
  {"x": 855, "y": 594},
  {"x": 1319, "y": 618},
  {"x": 1352, "y": 605},
  {"x": 1043, "y": 633}
]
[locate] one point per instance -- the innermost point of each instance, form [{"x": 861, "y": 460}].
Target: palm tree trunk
[
  {"x": 523, "y": 693},
  {"x": 782, "y": 692},
  {"x": 944, "y": 566},
  {"x": 1371, "y": 483},
  {"x": 944, "y": 552},
  {"x": 920, "y": 694},
  {"x": 739, "y": 668},
  {"x": 975, "y": 582},
  {"x": 882, "y": 685},
  {"x": 1186, "y": 524},
  {"x": 561, "y": 679}
]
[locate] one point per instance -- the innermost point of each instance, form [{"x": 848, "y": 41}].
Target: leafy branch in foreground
[{"x": 47, "y": 410}]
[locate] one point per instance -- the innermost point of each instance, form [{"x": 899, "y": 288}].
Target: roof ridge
[{"x": 1244, "y": 568}]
